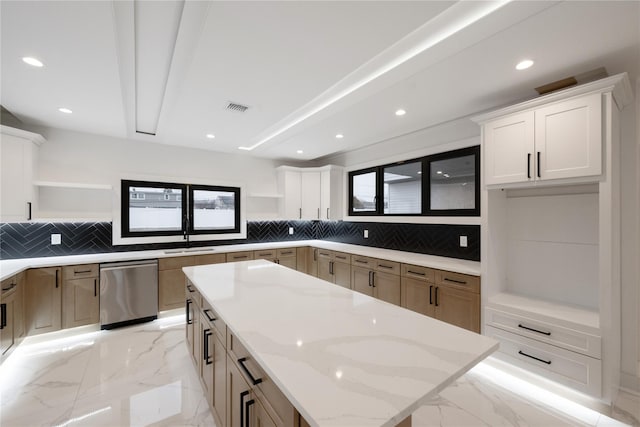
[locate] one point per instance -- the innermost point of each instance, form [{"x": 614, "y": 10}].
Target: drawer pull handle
[
  {"x": 3, "y": 315},
  {"x": 415, "y": 272},
  {"x": 210, "y": 318},
  {"x": 385, "y": 266},
  {"x": 190, "y": 289},
  {"x": 205, "y": 350},
  {"x": 534, "y": 330},
  {"x": 287, "y": 253},
  {"x": 430, "y": 293},
  {"x": 95, "y": 287},
  {"x": 341, "y": 257},
  {"x": 254, "y": 381},
  {"x": 188, "y": 306},
  {"x": 239, "y": 256},
  {"x": 436, "y": 296},
  {"x": 11, "y": 286},
  {"x": 462, "y": 282},
  {"x": 361, "y": 261},
  {"x": 242, "y": 396},
  {"x": 81, "y": 271},
  {"x": 548, "y": 362},
  {"x": 247, "y": 417},
  {"x": 265, "y": 254}
]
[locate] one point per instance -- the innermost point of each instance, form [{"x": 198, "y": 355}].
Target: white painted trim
[{"x": 36, "y": 138}]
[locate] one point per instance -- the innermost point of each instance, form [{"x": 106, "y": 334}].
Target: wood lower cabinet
[
  {"x": 286, "y": 257},
  {"x": 451, "y": 297},
  {"x": 43, "y": 300},
  {"x": 171, "y": 281},
  {"x": 334, "y": 267},
  {"x": 80, "y": 295},
  {"x": 239, "y": 256},
  {"x": 367, "y": 278}
]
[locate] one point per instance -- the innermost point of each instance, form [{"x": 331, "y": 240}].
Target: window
[
  {"x": 167, "y": 209},
  {"x": 445, "y": 184}
]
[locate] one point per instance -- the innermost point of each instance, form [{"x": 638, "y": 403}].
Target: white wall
[{"x": 69, "y": 156}]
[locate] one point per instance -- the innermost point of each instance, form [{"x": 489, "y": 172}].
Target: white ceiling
[{"x": 307, "y": 70}]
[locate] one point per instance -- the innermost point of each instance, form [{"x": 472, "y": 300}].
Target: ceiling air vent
[{"x": 237, "y": 107}]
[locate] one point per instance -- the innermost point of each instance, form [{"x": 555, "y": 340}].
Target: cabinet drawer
[
  {"x": 267, "y": 391},
  {"x": 342, "y": 257},
  {"x": 362, "y": 261},
  {"x": 575, "y": 370},
  {"x": 80, "y": 271},
  {"x": 175, "y": 262},
  {"x": 193, "y": 294},
  {"x": 265, "y": 254},
  {"x": 286, "y": 252},
  {"x": 210, "y": 259},
  {"x": 212, "y": 316},
  {"x": 323, "y": 253},
  {"x": 570, "y": 339},
  {"x": 387, "y": 266},
  {"x": 239, "y": 256},
  {"x": 8, "y": 286},
  {"x": 462, "y": 281},
  {"x": 418, "y": 272}
]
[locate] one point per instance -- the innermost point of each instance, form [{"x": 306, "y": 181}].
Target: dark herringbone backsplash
[{"x": 28, "y": 240}]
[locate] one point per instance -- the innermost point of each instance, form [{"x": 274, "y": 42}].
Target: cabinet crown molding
[
  {"x": 619, "y": 85},
  {"x": 36, "y": 138}
]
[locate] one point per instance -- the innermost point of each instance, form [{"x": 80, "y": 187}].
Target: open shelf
[{"x": 75, "y": 185}]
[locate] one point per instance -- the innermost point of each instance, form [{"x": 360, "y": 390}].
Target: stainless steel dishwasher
[{"x": 128, "y": 293}]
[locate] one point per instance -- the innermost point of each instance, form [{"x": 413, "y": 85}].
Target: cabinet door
[
  {"x": 16, "y": 187},
  {"x": 386, "y": 287},
  {"x": 197, "y": 341},
  {"x": 312, "y": 262},
  {"x": 342, "y": 274},
  {"x": 18, "y": 307},
  {"x": 206, "y": 358},
  {"x": 325, "y": 195},
  {"x": 292, "y": 203},
  {"x": 238, "y": 394},
  {"x": 43, "y": 300},
  {"x": 417, "y": 295},
  {"x": 324, "y": 269},
  {"x": 310, "y": 196},
  {"x": 219, "y": 381},
  {"x": 569, "y": 138},
  {"x": 361, "y": 280},
  {"x": 289, "y": 262},
  {"x": 460, "y": 308},
  {"x": 508, "y": 149},
  {"x": 170, "y": 289},
  {"x": 190, "y": 327},
  {"x": 258, "y": 415},
  {"x": 7, "y": 332},
  {"x": 80, "y": 303}
]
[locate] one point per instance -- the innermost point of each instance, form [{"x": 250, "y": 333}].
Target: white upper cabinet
[
  {"x": 559, "y": 140},
  {"x": 310, "y": 193},
  {"x": 18, "y": 165}
]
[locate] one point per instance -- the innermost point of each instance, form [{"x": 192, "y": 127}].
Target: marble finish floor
[{"x": 143, "y": 375}]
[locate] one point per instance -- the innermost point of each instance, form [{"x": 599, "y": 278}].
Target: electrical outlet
[
  {"x": 366, "y": 234},
  {"x": 463, "y": 241},
  {"x": 56, "y": 239},
  {"x": 290, "y": 230}
]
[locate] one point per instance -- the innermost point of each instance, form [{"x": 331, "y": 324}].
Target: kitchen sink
[{"x": 182, "y": 251}]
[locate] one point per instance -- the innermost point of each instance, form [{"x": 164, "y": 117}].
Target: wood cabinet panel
[
  {"x": 269, "y": 254},
  {"x": 239, "y": 256},
  {"x": 80, "y": 271},
  {"x": 7, "y": 337},
  {"x": 19, "y": 330},
  {"x": 80, "y": 302},
  {"x": 417, "y": 296},
  {"x": 460, "y": 308},
  {"x": 170, "y": 289},
  {"x": 175, "y": 262},
  {"x": 210, "y": 259},
  {"x": 342, "y": 274},
  {"x": 43, "y": 300},
  {"x": 386, "y": 287},
  {"x": 361, "y": 280},
  {"x": 324, "y": 268},
  {"x": 238, "y": 392}
]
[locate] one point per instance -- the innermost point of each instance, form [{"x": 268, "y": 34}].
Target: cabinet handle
[
  {"x": 247, "y": 417},
  {"x": 436, "y": 296},
  {"x": 327, "y": 213},
  {"x": 315, "y": 255},
  {"x": 11, "y": 286},
  {"x": 81, "y": 271},
  {"x": 287, "y": 253},
  {"x": 430, "y": 293},
  {"x": 385, "y": 266},
  {"x": 548, "y": 362},
  {"x": 189, "y": 320},
  {"x": 95, "y": 287},
  {"x": 277, "y": 261},
  {"x": 206, "y": 313},
  {"x": 360, "y": 261},
  {"x": 300, "y": 215},
  {"x": 534, "y": 330},
  {"x": 29, "y": 211},
  {"x": 254, "y": 381},
  {"x": 3, "y": 315},
  {"x": 205, "y": 351},
  {"x": 341, "y": 257},
  {"x": 529, "y": 165},
  {"x": 190, "y": 289},
  {"x": 265, "y": 254},
  {"x": 417, "y": 273},
  {"x": 239, "y": 256},
  {"x": 318, "y": 213},
  {"x": 242, "y": 396},
  {"x": 56, "y": 278},
  {"x": 370, "y": 277},
  {"x": 330, "y": 267},
  {"x": 373, "y": 279},
  {"x": 462, "y": 282},
  {"x": 539, "y": 165}
]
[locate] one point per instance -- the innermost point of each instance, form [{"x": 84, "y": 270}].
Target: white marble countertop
[
  {"x": 13, "y": 266},
  {"x": 342, "y": 358}
]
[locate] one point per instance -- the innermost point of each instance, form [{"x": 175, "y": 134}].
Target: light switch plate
[
  {"x": 463, "y": 241},
  {"x": 56, "y": 239},
  {"x": 290, "y": 230},
  {"x": 366, "y": 234}
]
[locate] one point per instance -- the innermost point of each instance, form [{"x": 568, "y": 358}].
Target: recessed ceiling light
[
  {"x": 439, "y": 172},
  {"x": 65, "y": 110},
  {"x": 339, "y": 136},
  {"x": 32, "y": 61},
  {"x": 524, "y": 64},
  {"x": 210, "y": 136},
  {"x": 419, "y": 172},
  {"x": 400, "y": 112},
  {"x": 446, "y": 175},
  {"x": 299, "y": 151}
]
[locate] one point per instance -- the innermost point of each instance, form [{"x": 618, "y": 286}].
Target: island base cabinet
[
  {"x": 7, "y": 338},
  {"x": 238, "y": 394},
  {"x": 43, "y": 300}
]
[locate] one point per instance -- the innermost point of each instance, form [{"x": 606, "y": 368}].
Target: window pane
[
  {"x": 364, "y": 192},
  {"x": 403, "y": 189},
  {"x": 214, "y": 210},
  {"x": 155, "y": 209},
  {"x": 453, "y": 183}
]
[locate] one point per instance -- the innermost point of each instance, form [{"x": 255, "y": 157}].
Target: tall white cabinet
[
  {"x": 18, "y": 166},
  {"x": 551, "y": 234},
  {"x": 310, "y": 193}
]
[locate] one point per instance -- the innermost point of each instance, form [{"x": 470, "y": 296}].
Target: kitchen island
[{"x": 341, "y": 358}]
